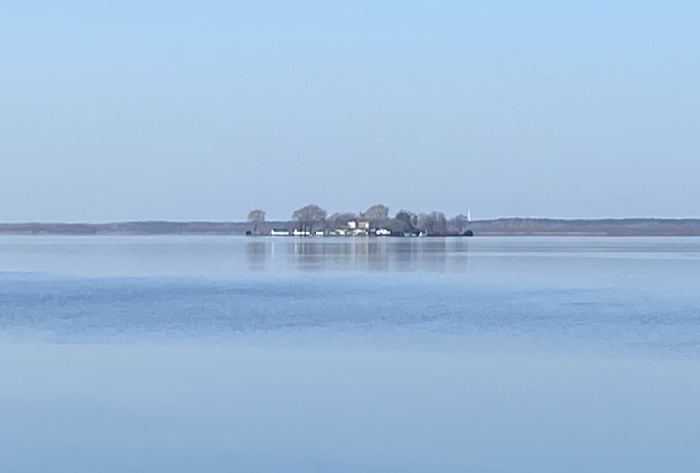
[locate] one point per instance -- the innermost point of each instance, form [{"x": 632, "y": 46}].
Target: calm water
[{"x": 351, "y": 355}]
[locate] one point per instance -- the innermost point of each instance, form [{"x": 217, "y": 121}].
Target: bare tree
[
  {"x": 433, "y": 223},
  {"x": 256, "y": 217},
  {"x": 460, "y": 222},
  {"x": 377, "y": 212},
  {"x": 426, "y": 223},
  {"x": 440, "y": 222},
  {"x": 309, "y": 216},
  {"x": 407, "y": 217}
]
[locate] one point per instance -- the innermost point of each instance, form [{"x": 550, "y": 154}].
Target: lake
[{"x": 349, "y": 355}]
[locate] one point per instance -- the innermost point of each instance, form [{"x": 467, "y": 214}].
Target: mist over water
[{"x": 263, "y": 354}]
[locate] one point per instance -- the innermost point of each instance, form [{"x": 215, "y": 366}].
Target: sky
[{"x": 179, "y": 110}]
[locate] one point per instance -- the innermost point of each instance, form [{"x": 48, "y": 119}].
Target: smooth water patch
[
  {"x": 449, "y": 312},
  {"x": 234, "y": 256},
  {"x": 235, "y": 407}
]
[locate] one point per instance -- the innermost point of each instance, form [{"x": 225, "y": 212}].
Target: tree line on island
[{"x": 376, "y": 220}]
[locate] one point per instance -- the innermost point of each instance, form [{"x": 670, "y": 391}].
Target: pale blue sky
[{"x": 203, "y": 110}]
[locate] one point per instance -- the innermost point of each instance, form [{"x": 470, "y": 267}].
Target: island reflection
[{"x": 359, "y": 254}]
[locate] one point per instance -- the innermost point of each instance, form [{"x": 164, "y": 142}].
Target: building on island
[{"x": 358, "y": 227}]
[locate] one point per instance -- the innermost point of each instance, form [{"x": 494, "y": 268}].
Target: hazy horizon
[
  {"x": 136, "y": 111},
  {"x": 289, "y": 219}
]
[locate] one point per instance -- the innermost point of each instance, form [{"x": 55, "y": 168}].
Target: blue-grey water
[{"x": 228, "y": 354}]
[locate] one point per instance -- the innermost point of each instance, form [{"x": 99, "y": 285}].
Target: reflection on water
[
  {"x": 256, "y": 251},
  {"x": 233, "y": 256},
  {"x": 360, "y": 254}
]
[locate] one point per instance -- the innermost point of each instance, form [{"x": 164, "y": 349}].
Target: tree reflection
[
  {"x": 256, "y": 252},
  {"x": 378, "y": 254}
]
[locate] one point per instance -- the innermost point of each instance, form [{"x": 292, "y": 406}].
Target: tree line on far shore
[{"x": 311, "y": 218}]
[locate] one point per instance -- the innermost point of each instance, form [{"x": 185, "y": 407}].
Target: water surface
[{"x": 263, "y": 354}]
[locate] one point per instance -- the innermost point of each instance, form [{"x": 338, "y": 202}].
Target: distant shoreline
[{"x": 496, "y": 227}]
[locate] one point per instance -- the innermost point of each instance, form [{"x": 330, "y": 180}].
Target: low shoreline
[{"x": 633, "y": 227}]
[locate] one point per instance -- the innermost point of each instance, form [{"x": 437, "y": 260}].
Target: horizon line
[{"x": 114, "y": 222}]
